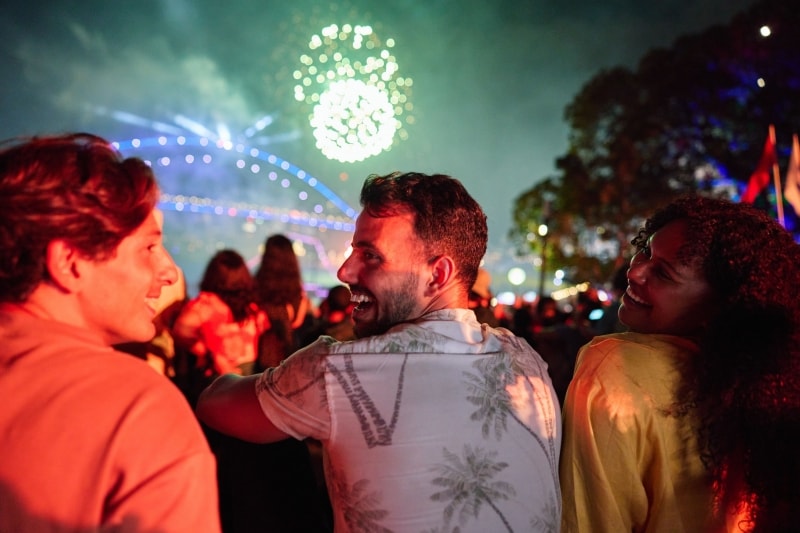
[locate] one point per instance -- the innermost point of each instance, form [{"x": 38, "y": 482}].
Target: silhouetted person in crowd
[
  {"x": 222, "y": 326},
  {"x": 279, "y": 286},
  {"x": 609, "y": 322},
  {"x": 480, "y": 299},
  {"x": 690, "y": 421},
  {"x": 91, "y": 439},
  {"x": 429, "y": 421},
  {"x": 335, "y": 317},
  {"x": 557, "y": 339},
  {"x": 523, "y": 321}
]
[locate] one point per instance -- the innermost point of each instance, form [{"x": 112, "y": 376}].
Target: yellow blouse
[{"x": 629, "y": 462}]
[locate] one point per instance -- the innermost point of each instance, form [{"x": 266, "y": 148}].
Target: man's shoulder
[
  {"x": 402, "y": 338},
  {"x": 123, "y": 378},
  {"x": 85, "y": 383}
]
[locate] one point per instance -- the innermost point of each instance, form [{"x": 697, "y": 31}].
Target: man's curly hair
[{"x": 745, "y": 386}]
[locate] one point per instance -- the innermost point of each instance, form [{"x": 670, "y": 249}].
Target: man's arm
[{"x": 230, "y": 405}]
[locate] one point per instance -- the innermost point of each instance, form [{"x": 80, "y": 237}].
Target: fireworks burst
[{"x": 359, "y": 100}]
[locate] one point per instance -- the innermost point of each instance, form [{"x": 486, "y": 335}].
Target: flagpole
[
  {"x": 776, "y": 176},
  {"x": 791, "y": 191}
]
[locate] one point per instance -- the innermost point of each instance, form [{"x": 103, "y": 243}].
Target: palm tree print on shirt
[
  {"x": 360, "y": 507},
  {"x": 489, "y": 392},
  {"x": 374, "y": 428},
  {"x": 468, "y": 485},
  {"x": 551, "y": 524}
]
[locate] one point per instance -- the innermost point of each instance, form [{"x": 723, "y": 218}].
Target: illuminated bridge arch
[{"x": 210, "y": 201}]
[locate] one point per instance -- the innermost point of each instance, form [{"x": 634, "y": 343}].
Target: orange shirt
[{"x": 93, "y": 439}]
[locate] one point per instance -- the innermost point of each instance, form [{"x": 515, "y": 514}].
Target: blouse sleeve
[{"x": 602, "y": 451}]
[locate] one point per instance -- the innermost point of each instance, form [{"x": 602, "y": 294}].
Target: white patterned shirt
[{"x": 439, "y": 425}]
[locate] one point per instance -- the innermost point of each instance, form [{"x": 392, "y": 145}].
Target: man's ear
[
  {"x": 443, "y": 271},
  {"x": 62, "y": 265}
]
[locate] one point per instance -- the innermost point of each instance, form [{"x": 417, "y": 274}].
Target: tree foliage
[{"x": 690, "y": 118}]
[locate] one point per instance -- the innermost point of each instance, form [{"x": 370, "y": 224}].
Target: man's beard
[{"x": 395, "y": 307}]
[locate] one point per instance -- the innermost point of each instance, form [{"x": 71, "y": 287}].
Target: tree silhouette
[{"x": 690, "y": 118}]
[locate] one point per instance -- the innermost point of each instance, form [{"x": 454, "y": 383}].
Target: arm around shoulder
[{"x": 230, "y": 405}]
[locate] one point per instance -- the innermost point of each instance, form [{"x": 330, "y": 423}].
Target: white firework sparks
[{"x": 359, "y": 101}]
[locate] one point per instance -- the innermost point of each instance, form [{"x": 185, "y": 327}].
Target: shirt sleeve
[
  {"x": 602, "y": 453},
  {"x": 293, "y": 395}
]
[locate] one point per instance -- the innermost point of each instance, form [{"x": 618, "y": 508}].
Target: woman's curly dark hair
[{"x": 745, "y": 386}]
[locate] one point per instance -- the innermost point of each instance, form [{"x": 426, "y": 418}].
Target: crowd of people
[{"x": 405, "y": 400}]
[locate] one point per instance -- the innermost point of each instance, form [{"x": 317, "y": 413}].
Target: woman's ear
[{"x": 62, "y": 265}]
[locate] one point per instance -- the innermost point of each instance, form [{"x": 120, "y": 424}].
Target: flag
[
  {"x": 791, "y": 192},
  {"x": 760, "y": 178}
]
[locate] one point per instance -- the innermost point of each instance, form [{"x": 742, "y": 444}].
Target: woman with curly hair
[{"x": 690, "y": 421}]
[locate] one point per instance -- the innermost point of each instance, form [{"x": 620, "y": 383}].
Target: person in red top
[
  {"x": 91, "y": 439},
  {"x": 223, "y": 323}
]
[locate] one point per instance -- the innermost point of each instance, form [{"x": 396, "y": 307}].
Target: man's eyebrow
[
  {"x": 154, "y": 232},
  {"x": 363, "y": 244}
]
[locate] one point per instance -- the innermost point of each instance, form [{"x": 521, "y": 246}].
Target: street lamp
[
  {"x": 543, "y": 229},
  {"x": 516, "y": 276}
]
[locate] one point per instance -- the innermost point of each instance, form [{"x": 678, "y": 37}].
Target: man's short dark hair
[{"x": 446, "y": 218}]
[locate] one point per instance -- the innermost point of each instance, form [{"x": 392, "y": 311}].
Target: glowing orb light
[
  {"x": 516, "y": 276},
  {"x": 351, "y": 80}
]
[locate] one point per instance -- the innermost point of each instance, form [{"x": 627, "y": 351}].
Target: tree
[{"x": 690, "y": 118}]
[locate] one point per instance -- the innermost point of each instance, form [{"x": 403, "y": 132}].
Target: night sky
[{"x": 491, "y": 80}]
